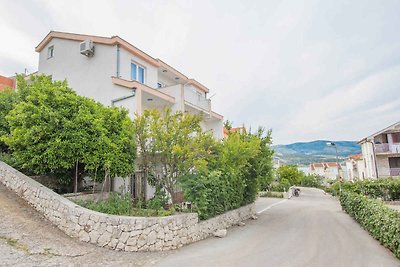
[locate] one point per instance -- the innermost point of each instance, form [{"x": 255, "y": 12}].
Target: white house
[
  {"x": 115, "y": 73},
  {"x": 329, "y": 170},
  {"x": 381, "y": 152},
  {"x": 355, "y": 167}
]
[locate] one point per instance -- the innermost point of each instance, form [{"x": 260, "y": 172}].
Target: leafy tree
[
  {"x": 170, "y": 146},
  {"x": 53, "y": 130},
  {"x": 312, "y": 180},
  {"x": 8, "y": 98},
  {"x": 290, "y": 173},
  {"x": 259, "y": 171},
  {"x": 228, "y": 125}
]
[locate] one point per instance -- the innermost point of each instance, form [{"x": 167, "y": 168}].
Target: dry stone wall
[{"x": 117, "y": 232}]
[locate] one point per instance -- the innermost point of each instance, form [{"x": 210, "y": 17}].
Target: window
[
  {"x": 137, "y": 73},
  {"x": 50, "y": 52}
]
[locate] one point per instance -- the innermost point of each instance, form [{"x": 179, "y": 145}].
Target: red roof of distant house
[
  {"x": 355, "y": 157},
  {"x": 240, "y": 130},
  {"x": 331, "y": 164},
  {"x": 6, "y": 82},
  {"x": 324, "y": 165}
]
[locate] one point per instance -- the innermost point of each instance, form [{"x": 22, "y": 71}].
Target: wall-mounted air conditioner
[{"x": 87, "y": 48}]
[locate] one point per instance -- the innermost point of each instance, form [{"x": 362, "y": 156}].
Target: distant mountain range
[{"x": 304, "y": 153}]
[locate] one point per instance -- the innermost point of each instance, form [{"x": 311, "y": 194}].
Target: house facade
[
  {"x": 355, "y": 167},
  {"x": 381, "y": 153},
  {"x": 328, "y": 170},
  {"x": 115, "y": 73},
  {"x": 6, "y": 82}
]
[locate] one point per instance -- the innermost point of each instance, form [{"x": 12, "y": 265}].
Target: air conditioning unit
[{"x": 87, "y": 48}]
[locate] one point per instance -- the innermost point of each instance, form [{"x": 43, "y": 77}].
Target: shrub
[
  {"x": 272, "y": 194},
  {"x": 387, "y": 189},
  {"x": 123, "y": 205},
  {"x": 382, "y": 222},
  {"x": 311, "y": 181}
]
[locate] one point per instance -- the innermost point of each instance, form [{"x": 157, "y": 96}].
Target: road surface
[{"x": 310, "y": 230}]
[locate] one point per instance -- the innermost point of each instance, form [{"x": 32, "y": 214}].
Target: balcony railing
[
  {"x": 394, "y": 171},
  {"x": 387, "y": 148},
  {"x": 198, "y": 100}
]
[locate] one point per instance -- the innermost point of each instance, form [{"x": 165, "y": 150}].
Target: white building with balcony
[
  {"x": 381, "y": 152},
  {"x": 115, "y": 73}
]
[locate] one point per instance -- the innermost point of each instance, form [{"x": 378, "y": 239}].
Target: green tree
[
  {"x": 53, "y": 130},
  {"x": 170, "y": 146},
  {"x": 8, "y": 98},
  {"x": 260, "y": 168},
  {"x": 290, "y": 173}
]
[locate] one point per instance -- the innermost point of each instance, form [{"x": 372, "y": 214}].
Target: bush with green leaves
[
  {"x": 122, "y": 205},
  {"x": 373, "y": 215},
  {"x": 311, "y": 180},
  {"x": 387, "y": 189},
  {"x": 233, "y": 176}
]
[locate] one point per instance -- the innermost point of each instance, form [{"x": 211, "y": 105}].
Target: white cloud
[{"x": 307, "y": 69}]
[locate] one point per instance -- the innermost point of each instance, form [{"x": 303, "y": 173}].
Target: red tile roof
[{"x": 355, "y": 157}]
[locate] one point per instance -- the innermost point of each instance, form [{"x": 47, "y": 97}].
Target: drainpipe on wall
[
  {"x": 113, "y": 101},
  {"x": 118, "y": 55}
]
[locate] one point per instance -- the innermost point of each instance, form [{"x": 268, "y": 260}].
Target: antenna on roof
[{"x": 211, "y": 96}]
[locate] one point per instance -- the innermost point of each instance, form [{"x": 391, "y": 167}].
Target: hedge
[
  {"x": 380, "y": 221},
  {"x": 387, "y": 189}
]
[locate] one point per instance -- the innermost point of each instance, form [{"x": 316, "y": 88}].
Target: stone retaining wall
[{"x": 117, "y": 232}]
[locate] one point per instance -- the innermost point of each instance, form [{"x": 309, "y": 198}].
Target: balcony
[
  {"x": 387, "y": 148},
  {"x": 198, "y": 100},
  {"x": 394, "y": 171}
]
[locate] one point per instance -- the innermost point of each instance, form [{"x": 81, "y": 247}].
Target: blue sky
[{"x": 307, "y": 69}]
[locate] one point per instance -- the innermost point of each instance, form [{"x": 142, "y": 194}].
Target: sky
[{"x": 308, "y": 70}]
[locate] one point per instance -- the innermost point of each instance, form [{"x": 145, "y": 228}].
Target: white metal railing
[
  {"x": 197, "y": 99},
  {"x": 387, "y": 148},
  {"x": 381, "y": 148}
]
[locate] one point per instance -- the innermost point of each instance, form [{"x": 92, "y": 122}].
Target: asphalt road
[{"x": 310, "y": 230}]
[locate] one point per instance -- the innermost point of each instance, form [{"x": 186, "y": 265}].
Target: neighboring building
[
  {"x": 277, "y": 162},
  {"x": 240, "y": 130},
  {"x": 115, "y": 73},
  {"x": 381, "y": 152},
  {"x": 304, "y": 169},
  {"x": 6, "y": 82},
  {"x": 329, "y": 170},
  {"x": 355, "y": 167}
]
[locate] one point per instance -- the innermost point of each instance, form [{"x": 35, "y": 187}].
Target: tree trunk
[{"x": 76, "y": 177}]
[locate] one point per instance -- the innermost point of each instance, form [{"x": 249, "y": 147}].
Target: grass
[
  {"x": 123, "y": 205},
  {"x": 15, "y": 243},
  {"x": 271, "y": 194}
]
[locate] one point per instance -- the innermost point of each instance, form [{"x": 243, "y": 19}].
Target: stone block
[{"x": 220, "y": 233}]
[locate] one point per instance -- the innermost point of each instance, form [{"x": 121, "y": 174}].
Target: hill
[{"x": 304, "y": 153}]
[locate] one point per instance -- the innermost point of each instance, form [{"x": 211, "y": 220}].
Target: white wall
[
  {"x": 369, "y": 160},
  {"x": 151, "y": 72},
  {"x": 88, "y": 76},
  {"x": 383, "y": 166},
  {"x": 361, "y": 169},
  {"x": 175, "y": 91},
  {"x": 214, "y": 126}
]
